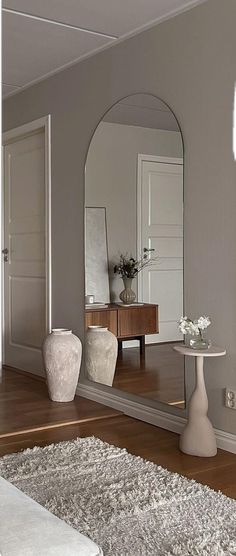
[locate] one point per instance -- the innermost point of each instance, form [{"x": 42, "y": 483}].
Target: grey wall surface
[
  {"x": 189, "y": 62},
  {"x": 111, "y": 182}
]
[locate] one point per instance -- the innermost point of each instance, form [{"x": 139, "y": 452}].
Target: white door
[
  {"x": 25, "y": 319},
  {"x": 160, "y": 227}
]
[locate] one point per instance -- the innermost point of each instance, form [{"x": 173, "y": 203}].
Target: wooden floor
[
  {"x": 25, "y": 405},
  {"x": 142, "y": 439},
  {"x": 158, "y": 376}
]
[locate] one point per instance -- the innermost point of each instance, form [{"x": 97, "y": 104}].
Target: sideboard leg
[
  {"x": 142, "y": 345},
  {"x": 119, "y": 345}
]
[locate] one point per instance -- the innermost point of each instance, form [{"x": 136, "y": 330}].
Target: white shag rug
[{"x": 128, "y": 506}]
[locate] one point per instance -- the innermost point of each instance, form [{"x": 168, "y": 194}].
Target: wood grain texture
[
  {"x": 135, "y": 321},
  {"x": 25, "y": 406},
  {"x": 158, "y": 376},
  {"x": 140, "y": 439},
  {"x": 123, "y": 321},
  {"x": 24, "y": 400},
  {"x": 106, "y": 318}
]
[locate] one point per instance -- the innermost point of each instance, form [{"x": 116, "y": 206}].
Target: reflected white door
[
  {"x": 160, "y": 227},
  {"x": 25, "y": 321}
]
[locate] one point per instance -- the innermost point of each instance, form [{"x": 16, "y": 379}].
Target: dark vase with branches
[{"x": 128, "y": 268}]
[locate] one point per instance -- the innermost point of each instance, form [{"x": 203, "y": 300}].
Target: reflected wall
[{"x": 134, "y": 170}]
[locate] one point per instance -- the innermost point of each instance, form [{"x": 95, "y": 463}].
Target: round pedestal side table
[{"x": 198, "y": 437}]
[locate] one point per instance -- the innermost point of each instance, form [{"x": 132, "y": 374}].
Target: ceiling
[
  {"x": 41, "y": 37},
  {"x": 144, "y": 111}
]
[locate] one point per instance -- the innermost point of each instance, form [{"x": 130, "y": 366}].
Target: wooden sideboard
[{"x": 126, "y": 322}]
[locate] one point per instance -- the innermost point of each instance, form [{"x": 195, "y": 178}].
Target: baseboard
[
  {"x": 174, "y": 423},
  {"x": 226, "y": 440},
  {"x": 150, "y": 415}
]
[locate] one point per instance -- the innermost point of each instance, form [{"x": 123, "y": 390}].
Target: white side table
[{"x": 198, "y": 438}]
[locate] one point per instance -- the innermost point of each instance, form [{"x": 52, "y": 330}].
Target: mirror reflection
[{"x": 134, "y": 251}]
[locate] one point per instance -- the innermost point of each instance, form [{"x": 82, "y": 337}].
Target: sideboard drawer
[
  {"x": 106, "y": 318},
  {"x": 137, "y": 321}
]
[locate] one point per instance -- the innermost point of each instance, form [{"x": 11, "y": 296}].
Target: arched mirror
[{"x": 134, "y": 250}]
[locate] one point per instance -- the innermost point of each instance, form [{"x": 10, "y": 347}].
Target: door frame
[
  {"x": 10, "y": 136},
  {"x": 147, "y": 158}
]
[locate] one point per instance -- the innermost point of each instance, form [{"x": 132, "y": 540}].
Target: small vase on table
[
  {"x": 127, "y": 295},
  {"x": 128, "y": 268},
  {"x": 199, "y": 341},
  {"x": 194, "y": 332}
]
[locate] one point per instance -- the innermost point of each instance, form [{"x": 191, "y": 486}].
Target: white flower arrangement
[{"x": 194, "y": 327}]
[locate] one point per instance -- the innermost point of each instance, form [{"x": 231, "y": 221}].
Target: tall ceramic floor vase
[
  {"x": 127, "y": 295},
  {"x": 101, "y": 350},
  {"x": 62, "y": 352}
]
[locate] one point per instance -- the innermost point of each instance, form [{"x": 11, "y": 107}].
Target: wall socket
[{"x": 230, "y": 398}]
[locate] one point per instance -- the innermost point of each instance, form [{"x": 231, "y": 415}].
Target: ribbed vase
[
  {"x": 127, "y": 295},
  {"x": 101, "y": 348},
  {"x": 62, "y": 353}
]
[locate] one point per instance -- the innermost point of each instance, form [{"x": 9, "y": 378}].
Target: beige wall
[
  {"x": 189, "y": 62},
  {"x": 111, "y": 182}
]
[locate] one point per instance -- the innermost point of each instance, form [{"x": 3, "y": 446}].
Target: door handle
[
  {"x": 146, "y": 250},
  {"x": 5, "y": 253}
]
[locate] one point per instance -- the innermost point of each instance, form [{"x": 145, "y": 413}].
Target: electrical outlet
[{"x": 230, "y": 398}]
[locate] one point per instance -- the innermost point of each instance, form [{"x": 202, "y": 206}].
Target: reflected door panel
[{"x": 161, "y": 229}]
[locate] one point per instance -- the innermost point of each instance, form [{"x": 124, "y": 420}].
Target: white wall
[{"x": 111, "y": 182}]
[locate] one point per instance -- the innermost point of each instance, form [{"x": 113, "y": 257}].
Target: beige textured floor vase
[
  {"x": 100, "y": 354},
  {"x": 62, "y": 353}
]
